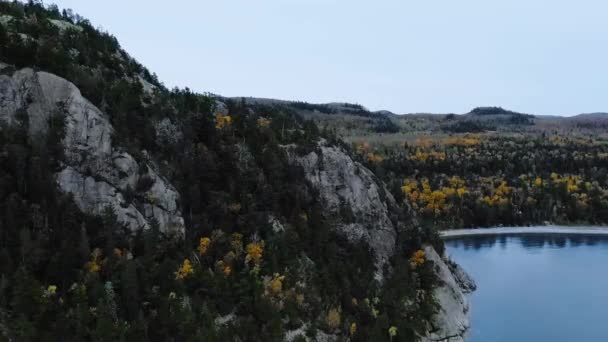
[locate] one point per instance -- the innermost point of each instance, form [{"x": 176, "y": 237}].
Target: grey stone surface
[
  {"x": 451, "y": 322},
  {"x": 345, "y": 183},
  {"x": 96, "y": 172},
  {"x": 64, "y": 25},
  {"x": 341, "y": 181}
]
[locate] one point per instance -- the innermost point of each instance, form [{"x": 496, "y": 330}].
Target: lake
[{"x": 551, "y": 287}]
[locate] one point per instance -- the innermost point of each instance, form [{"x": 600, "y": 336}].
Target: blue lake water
[{"x": 536, "y": 287}]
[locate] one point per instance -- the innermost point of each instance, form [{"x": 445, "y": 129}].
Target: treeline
[{"x": 490, "y": 180}]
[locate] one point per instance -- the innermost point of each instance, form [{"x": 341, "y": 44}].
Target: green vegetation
[
  {"x": 481, "y": 180},
  {"x": 66, "y": 275}
]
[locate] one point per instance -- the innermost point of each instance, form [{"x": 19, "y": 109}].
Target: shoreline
[{"x": 551, "y": 229}]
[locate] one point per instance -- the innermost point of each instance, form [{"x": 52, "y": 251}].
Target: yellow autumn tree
[
  {"x": 203, "y": 245},
  {"x": 456, "y": 182},
  {"x": 462, "y": 191},
  {"x": 353, "y": 329},
  {"x": 275, "y": 285},
  {"x": 94, "y": 265},
  {"x": 334, "y": 318},
  {"x": 222, "y": 121},
  {"x": 255, "y": 251},
  {"x": 184, "y": 270},
  {"x": 469, "y": 140},
  {"x": 418, "y": 258},
  {"x": 263, "y": 122},
  {"x": 374, "y": 158},
  {"x": 424, "y": 156}
]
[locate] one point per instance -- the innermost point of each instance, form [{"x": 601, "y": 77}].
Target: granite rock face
[
  {"x": 345, "y": 183},
  {"x": 342, "y": 182},
  {"x": 95, "y": 171},
  {"x": 463, "y": 279},
  {"x": 451, "y": 322}
]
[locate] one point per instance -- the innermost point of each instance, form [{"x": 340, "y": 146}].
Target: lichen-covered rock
[
  {"x": 451, "y": 322},
  {"x": 96, "y": 172}
]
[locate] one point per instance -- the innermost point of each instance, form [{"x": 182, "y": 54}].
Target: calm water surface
[{"x": 536, "y": 287}]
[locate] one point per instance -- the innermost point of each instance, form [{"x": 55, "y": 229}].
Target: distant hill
[
  {"x": 598, "y": 115},
  {"x": 344, "y": 118},
  {"x": 350, "y": 120},
  {"x": 589, "y": 121}
]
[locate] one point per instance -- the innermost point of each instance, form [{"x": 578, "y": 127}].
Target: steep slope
[
  {"x": 451, "y": 322},
  {"x": 244, "y": 222},
  {"x": 95, "y": 172},
  {"x": 342, "y": 182}
]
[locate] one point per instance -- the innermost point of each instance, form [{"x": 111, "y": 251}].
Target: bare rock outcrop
[
  {"x": 463, "y": 279},
  {"x": 345, "y": 183},
  {"x": 95, "y": 171},
  {"x": 341, "y": 181},
  {"x": 451, "y": 322}
]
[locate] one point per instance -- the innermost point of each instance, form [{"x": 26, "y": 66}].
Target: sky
[{"x": 440, "y": 56}]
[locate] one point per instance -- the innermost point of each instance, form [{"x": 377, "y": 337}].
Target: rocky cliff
[
  {"x": 304, "y": 244},
  {"x": 99, "y": 174},
  {"x": 451, "y": 322},
  {"x": 96, "y": 172},
  {"x": 341, "y": 181}
]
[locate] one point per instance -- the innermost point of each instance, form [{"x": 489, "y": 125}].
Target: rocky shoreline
[{"x": 451, "y": 322}]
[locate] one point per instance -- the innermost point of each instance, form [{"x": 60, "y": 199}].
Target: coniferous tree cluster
[
  {"x": 484, "y": 180},
  {"x": 66, "y": 275}
]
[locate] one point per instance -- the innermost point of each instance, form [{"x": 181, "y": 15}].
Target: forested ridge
[
  {"x": 484, "y": 180},
  {"x": 233, "y": 275}
]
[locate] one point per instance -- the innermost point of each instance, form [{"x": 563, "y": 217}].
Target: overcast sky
[{"x": 533, "y": 56}]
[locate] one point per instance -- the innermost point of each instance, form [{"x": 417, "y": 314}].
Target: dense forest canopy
[
  {"x": 260, "y": 258},
  {"x": 482, "y": 180},
  {"x": 68, "y": 275}
]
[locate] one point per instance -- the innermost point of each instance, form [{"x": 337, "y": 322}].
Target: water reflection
[
  {"x": 536, "y": 287},
  {"x": 477, "y": 242}
]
